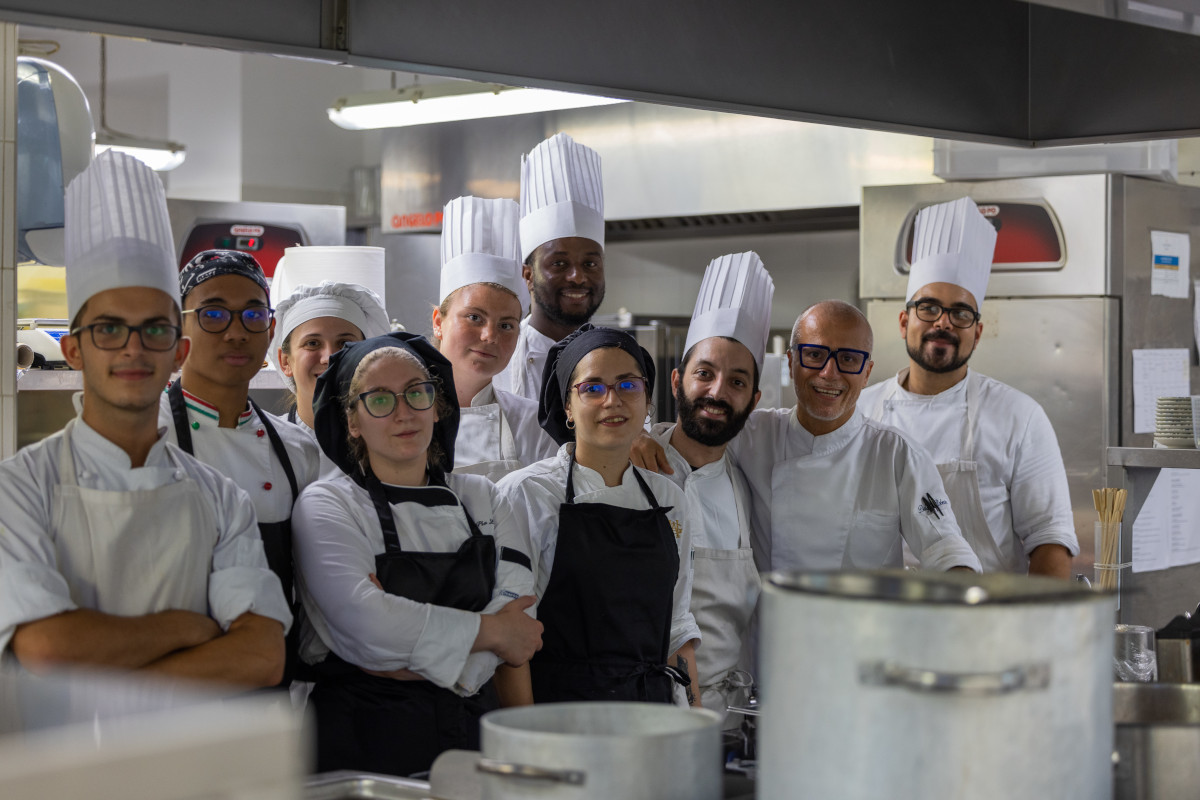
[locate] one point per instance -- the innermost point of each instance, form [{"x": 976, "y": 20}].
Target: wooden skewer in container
[{"x": 1110, "y": 504}]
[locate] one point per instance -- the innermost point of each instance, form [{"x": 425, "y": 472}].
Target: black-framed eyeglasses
[
  {"x": 158, "y": 336},
  {"x": 595, "y": 392},
  {"x": 217, "y": 319},
  {"x": 815, "y": 356},
  {"x": 382, "y": 402},
  {"x": 960, "y": 316}
]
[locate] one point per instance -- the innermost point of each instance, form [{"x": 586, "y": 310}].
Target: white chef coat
[
  {"x": 327, "y": 470},
  {"x": 336, "y": 536},
  {"x": 33, "y": 588},
  {"x": 523, "y": 375},
  {"x": 244, "y": 453},
  {"x": 716, "y": 492},
  {"x": 500, "y": 430},
  {"x": 845, "y": 499},
  {"x": 1022, "y": 482},
  {"x": 537, "y": 491}
]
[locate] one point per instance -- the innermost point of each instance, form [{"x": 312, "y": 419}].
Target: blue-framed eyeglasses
[
  {"x": 595, "y": 392},
  {"x": 217, "y": 319},
  {"x": 847, "y": 360}
]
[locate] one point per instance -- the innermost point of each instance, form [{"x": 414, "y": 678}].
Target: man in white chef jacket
[
  {"x": 562, "y": 244},
  {"x": 117, "y": 549},
  {"x": 716, "y": 388},
  {"x": 993, "y": 445}
]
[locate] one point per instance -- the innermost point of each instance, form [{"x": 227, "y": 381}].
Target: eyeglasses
[
  {"x": 115, "y": 335},
  {"x": 217, "y": 319},
  {"x": 960, "y": 316},
  {"x": 595, "y": 392},
  {"x": 847, "y": 360},
  {"x": 382, "y": 402}
]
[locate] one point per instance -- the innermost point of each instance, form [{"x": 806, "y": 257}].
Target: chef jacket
[
  {"x": 336, "y": 538},
  {"x": 244, "y": 453},
  {"x": 863, "y": 475},
  {"x": 480, "y": 435},
  {"x": 714, "y": 490},
  {"x": 1022, "y": 481},
  {"x": 523, "y": 375},
  {"x": 537, "y": 491},
  {"x": 31, "y": 585},
  {"x": 327, "y": 470}
]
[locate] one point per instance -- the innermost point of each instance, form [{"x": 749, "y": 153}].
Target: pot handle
[
  {"x": 1014, "y": 679},
  {"x": 507, "y": 769}
]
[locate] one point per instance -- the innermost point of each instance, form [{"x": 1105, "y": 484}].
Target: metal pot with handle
[
  {"x": 917, "y": 685},
  {"x": 634, "y": 751}
]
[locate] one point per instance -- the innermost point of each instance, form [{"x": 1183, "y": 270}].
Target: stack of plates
[{"x": 1173, "y": 422}]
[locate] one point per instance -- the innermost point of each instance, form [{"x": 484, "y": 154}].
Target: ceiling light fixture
[
  {"x": 448, "y": 102},
  {"x": 157, "y": 154}
]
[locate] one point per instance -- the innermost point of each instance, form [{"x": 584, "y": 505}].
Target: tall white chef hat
[
  {"x": 562, "y": 194},
  {"x": 734, "y": 301},
  {"x": 952, "y": 243},
  {"x": 481, "y": 244},
  {"x": 356, "y": 304},
  {"x": 117, "y": 232},
  {"x": 309, "y": 266}
]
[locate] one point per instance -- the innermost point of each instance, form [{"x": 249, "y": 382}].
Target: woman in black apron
[
  {"x": 611, "y": 541},
  {"x": 414, "y": 583}
]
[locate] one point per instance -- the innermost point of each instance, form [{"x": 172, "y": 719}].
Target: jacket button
[
  {"x": 267, "y": 486},
  {"x": 261, "y": 433}
]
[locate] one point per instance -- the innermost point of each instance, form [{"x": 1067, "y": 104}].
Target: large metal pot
[
  {"x": 1157, "y": 740},
  {"x": 634, "y": 751},
  {"x": 921, "y": 685}
]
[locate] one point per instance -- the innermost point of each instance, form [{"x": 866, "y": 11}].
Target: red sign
[
  {"x": 247, "y": 230},
  {"x": 423, "y": 219}
]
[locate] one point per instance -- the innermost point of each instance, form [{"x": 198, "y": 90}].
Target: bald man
[{"x": 829, "y": 488}]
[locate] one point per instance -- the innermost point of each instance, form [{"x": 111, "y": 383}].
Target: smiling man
[
  {"x": 993, "y": 445},
  {"x": 208, "y": 411},
  {"x": 716, "y": 388},
  {"x": 117, "y": 549},
  {"x": 562, "y": 244}
]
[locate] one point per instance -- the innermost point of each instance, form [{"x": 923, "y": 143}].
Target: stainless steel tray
[{"x": 346, "y": 785}]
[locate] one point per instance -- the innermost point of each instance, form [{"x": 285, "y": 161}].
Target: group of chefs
[{"x": 488, "y": 515}]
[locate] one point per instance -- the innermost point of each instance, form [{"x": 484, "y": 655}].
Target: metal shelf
[{"x": 1153, "y": 458}]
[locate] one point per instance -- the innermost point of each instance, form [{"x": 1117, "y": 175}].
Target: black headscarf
[
  {"x": 561, "y": 361},
  {"x": 329, "y": 413},
  {"x": 210, "y": 264}
]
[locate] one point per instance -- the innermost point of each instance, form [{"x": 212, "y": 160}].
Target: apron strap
[
  {"x": 968, "y": 442},
  {"x": 66, "y": 458},
  {"x": 280, "y": 451},
  {"x": 641, "y": 482},
  {"x": 183, "y": 434},
  {"x": 387, "y": 521}
]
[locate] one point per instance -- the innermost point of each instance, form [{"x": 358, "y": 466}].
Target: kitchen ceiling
[{"x": 1007, "y": 72}]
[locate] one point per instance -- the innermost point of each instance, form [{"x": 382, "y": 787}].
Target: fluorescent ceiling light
[
  {"x": 421, "y": 105},
  {"x": 159, "y": 156}
]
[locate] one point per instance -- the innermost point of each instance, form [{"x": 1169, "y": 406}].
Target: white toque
[
  {"x": 734, "y": 301},
  {"x": 952, "y": 243},
  {"x": 562, "y": 194},
  {"x": 481, "y": 244}
]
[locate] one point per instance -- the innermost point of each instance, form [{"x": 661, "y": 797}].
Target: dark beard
[
  {"x": 709, "y": 433},
  {"x": 918, "y": 355},
  {"x": 560, "y": 317}
]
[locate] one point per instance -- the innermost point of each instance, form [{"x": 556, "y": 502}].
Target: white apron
[
  {"x": 485, "y": 444},
  {"x": 961, "y": 479},
  {"x": 725, "y": 589},
  {"x": 135, "y": 552}
]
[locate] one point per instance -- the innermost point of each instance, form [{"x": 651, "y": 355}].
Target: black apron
[
  {"x": 276, "y": 536},
  {"x": 373, "y": 724},
  {"x": 607, "y": 608}
]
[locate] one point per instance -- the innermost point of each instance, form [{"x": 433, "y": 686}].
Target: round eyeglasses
[
  {"x": 847, "y": 360},
  {"x": 960, "y": 316},
  {"x": 595, "y": 392},
  {"x": 217, "y": 319},
  {"x": 115, "y": 335},
  {"x": 382, "y": 402}
]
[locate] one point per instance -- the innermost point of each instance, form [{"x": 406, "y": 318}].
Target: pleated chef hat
[
  {"x": 734, "y": 301},
  {"x": 481, "y": 244},
  {"x": 562, "y": 194},
  {"x": 309, "y": 266},
  {"x": 952, "y": 243},
  {"x": 117, "y": 232}
]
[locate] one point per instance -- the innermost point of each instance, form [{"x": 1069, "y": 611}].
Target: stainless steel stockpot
[
  {"x": 918, "y": 685},
  {"x": 634, "y": 751}
]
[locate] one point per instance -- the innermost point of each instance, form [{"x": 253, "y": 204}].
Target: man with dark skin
[{"x": 562, "y": 239}]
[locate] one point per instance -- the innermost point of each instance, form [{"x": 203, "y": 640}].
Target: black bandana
[
  {"x": 329, "y": 414},
  {"x": 561, "y": 361},
  {"x": 209, "y": 264}
]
